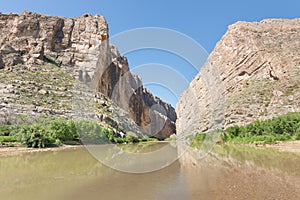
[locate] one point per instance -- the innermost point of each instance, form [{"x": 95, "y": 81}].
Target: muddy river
[{"x": 228, "y": 172}]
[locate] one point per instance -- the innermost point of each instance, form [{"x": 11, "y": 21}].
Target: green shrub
[
  {"x": 255, "y": 128},
  {"x": 15, "y": 129},
  {"x": 225, "y": 136},
  {"x": 73, "y": 130},
  {"x": 35, "y": 136},
  {"x": 8, "y": 139},
  {"x": 282, "y": 128},
  {"x": 46, "y": 132},
  {"x": 4, "y": 130},
  {"x": 23, "y": 52},
  {"x": 63, "y": 130},
  {"x": 108, "y": 134},
  {"x": 233, "y": 131},
  {"x": 270, "y": 139},
  {"x": 91, "y": 133},
  {"x": 147, "y": 139},
  {"x": 120, "y": 140},
  {"x": 297, "y": 136},
  {"x": 131, "y": 137},
  {"x": 57, "y": 142},
  {"x": 200, "y": 137}
]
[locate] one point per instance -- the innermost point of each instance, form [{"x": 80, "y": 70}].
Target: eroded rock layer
[{"x": 258, "y": 67}]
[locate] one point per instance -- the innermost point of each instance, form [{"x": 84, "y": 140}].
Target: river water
[{"x": 228, "y": 172}]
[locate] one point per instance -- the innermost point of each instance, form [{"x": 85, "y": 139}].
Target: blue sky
[{"x": 204, "y": 21}]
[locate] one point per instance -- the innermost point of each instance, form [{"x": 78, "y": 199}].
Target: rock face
[
  {"x": 30, "y": 40},
  {"x": 258, "y": 65},
  {"x": 31, "y": 36}
]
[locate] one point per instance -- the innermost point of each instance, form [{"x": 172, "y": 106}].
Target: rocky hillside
[
  {"x": 259, "y": 76},
  {"x": 42, "y": 58}
]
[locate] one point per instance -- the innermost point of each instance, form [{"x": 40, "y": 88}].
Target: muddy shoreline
[
  {"x": 289, "y": 146},
  {"x": 10, "y": 151}
]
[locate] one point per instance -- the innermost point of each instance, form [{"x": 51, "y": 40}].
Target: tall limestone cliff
[
  {"x": 258, "y": 66},
  {"x": 41, "y": 56}
]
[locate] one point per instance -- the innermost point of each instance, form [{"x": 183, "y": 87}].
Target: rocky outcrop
[
  {"x": 80, "y": 47},
  {"x": 258, "y": 65},
  {"x": 30, "y": 36},
  {"x": 114, "y": 79}
]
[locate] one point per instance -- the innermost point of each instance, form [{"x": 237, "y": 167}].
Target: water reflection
[
  {"x": 46, "y": 174},
  {"x": 237, "y": 172},
  {"x": 136, "y": 158},
  {"x": 228, "y": 172},
  {"x": 163, "y": 184},
  {"x": 75, "y": 174}
]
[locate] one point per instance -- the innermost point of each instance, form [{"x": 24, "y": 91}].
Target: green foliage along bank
[
  {"x": 54, "y": 132},
  {"x": 59, "y": 131},
  {"x": 282, "y": 128}
]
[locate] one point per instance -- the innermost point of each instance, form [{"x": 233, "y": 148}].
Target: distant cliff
[
  {"x": 259, "y": 68},
  {"x": 78, "y": 47}
]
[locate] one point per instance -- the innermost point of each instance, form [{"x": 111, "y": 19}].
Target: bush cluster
[
  {"x": 8, "y": 139},
  {"x": 56, "y": 132},
  {"x": 282, "y": 128}
]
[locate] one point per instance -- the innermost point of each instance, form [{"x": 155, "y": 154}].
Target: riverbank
[
  {"x": 16, "y": 150},
  {"x": 289, "y": 146},
  {"x": 286, "y": 146}
]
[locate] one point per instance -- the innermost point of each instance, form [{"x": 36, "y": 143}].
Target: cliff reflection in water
[{"x": 226, "y": 173}]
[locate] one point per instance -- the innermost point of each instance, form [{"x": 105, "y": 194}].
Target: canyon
[{"x": 252, "y": 73}]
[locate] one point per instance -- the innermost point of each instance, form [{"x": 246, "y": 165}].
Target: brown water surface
[{"x": 229, "y": 172}]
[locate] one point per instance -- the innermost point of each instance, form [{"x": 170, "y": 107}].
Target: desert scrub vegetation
[
  {"x": 7, "y": 139},
  {"x": 55, "y": 132},
  {"x": 44, "y": 133},
  {"x": 282, "y": 128},
  {"x": 133, "y": 138},
  {"x": 50, "y": 85}
]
